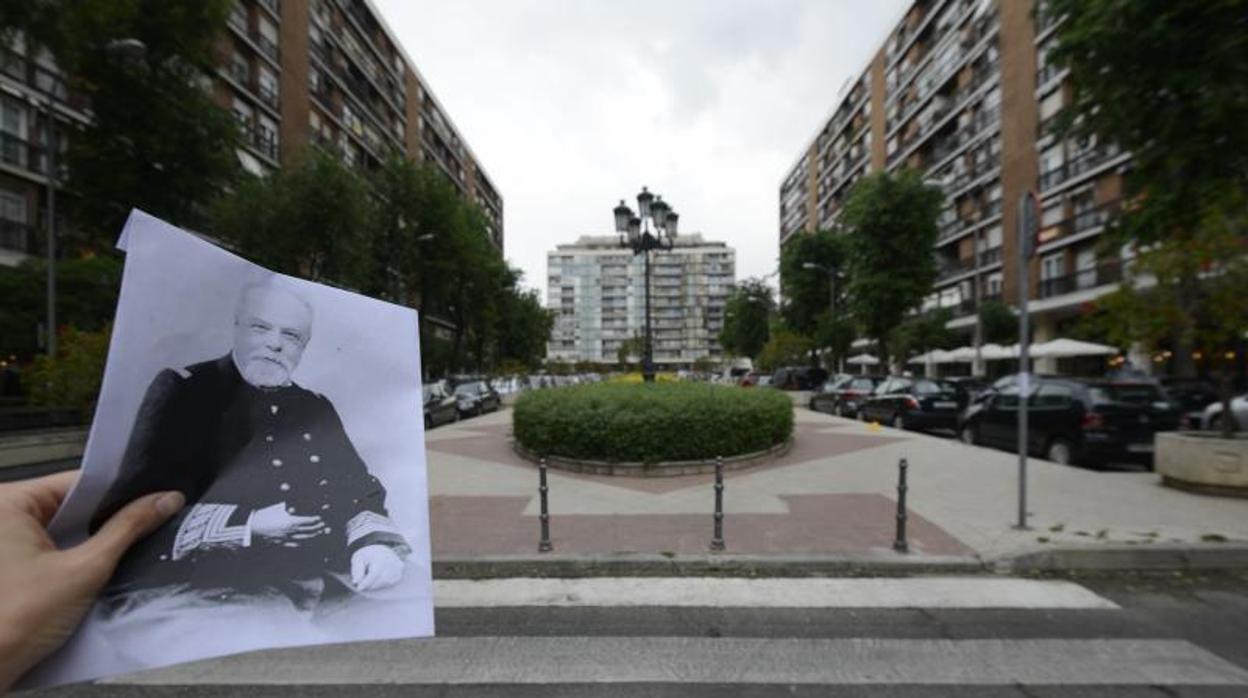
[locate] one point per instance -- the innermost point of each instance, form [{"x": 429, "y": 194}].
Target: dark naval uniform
[{"x": 234, "y": 449}]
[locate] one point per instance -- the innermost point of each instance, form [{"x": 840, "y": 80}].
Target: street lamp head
[
  {"x": 672, "y": 219},
  {"x": 659, "y": 210},
  {"x": 811, "y": 265},
  {"x": 622, "y": 216},
  {"x": 643, "y": 202},
  {"x": 634, "y": 228}
]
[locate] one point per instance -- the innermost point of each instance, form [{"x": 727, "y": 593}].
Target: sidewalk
[{"x": 829, "y": 505}]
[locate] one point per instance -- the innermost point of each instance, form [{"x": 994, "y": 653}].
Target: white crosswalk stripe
[
  {"x": 914, "y": 592},
  {"x": 606, "y": 659}
]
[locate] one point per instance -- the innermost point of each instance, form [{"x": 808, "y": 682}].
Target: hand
[
  {"x": 278, "y": 525},
  {"x": 375, "y": 567},
  {"x": 45, "y": 592}
]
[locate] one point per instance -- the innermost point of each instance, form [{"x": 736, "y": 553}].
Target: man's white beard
[{"x": 265, "y": 374}]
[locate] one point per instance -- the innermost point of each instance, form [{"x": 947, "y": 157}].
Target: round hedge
[{"x": 650, "y": 423}]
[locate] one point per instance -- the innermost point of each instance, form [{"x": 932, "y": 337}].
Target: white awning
[
  {"x": 1062, "y": 348},
  {"x": 862, "y": 360}
]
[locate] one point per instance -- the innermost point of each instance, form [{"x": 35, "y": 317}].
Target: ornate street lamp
[{"x": 653, "y": 227}]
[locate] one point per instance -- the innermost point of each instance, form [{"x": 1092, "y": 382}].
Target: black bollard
[
  {"x": 900, "y": 545},
  {"x": 717, "y": 541},
  {"x": 544, "y": 546}
]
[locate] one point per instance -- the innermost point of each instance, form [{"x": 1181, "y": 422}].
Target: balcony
[
  {"x": 1102, "y": 275},
  {"x": 1048, "y": 74},
  {"x": 1080, "y": 165},
  {"x": 955, "y": 267},
  {"x": 16, "y": 236},
  {"x": 266, "y": 46},
  {"x": 1081, "y": 222},
  {"x": 982, "y": 123}
]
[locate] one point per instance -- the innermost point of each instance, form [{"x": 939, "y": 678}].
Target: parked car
[
  {"x": 845, "y": 395},
  {"x": 1193, "y": 395},
  {"x": 969, "y": 388},
  {"x": 440, "y": 406},
  {"x": 749, "y": 379},
  {"x": 1211, "y": 418},
  {"x": 912, "y": 403},
  {"x": 798, "y": 377},
  {"x": 1075, "y": 421},
  {"x": 476, "y": 397},
  {"x": 765, "y": 381}
]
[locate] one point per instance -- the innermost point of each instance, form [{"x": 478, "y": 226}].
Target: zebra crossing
[{"x": 620, "y": 636}]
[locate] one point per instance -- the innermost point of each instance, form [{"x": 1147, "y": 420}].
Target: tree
[
  {"x": 1181, "y": 115},
  {"x": 747, "y": 318},
  {"x": 633, "y": 346},
  {"x": 890, "y": 222},
  {"x": 524, "y": 326},
  {"x": 315, "y": 218},
  {"x": 86, "y": 297},
  {"x": 785, "y": 348},
  {"x": 1000, "y": 324},
  {"x": 156, "y": 139},
  {"x": 807, "y": 292},
  {"x": 923, "y": 333}
]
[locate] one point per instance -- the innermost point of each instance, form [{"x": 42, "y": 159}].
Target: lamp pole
[
  {"x": 652, "y": 227},
  {"x": 833, "y": 273}
]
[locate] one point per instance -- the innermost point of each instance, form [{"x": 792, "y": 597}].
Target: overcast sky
[{"x": 571, "y": 105}]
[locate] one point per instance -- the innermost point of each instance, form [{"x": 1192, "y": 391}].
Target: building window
[
  {"x": 1053, "y": 266},
  {"x": 268, "y": 86},
  {"x": 240, "y": 70},
  {"x": 12, "y": 206}
]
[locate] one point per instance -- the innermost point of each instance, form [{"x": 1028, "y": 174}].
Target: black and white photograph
[{"x": 288, "y": 413}]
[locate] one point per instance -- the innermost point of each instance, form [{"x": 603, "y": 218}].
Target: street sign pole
[{"x": 1026, "y": 248}]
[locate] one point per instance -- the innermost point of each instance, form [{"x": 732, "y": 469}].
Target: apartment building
[
  {"x": 597, "y": 291},
  {"x": 961, "y": 91},
  {"x": 293, "y": 73}
]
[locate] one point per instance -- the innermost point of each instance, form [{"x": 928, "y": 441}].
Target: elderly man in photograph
[{"x": 279, "y": 502}]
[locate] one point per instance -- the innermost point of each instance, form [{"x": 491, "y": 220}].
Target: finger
[
  {"x": 357, "y": 570},
  {"x": 289, "y": 544},
  {"x": 127, "y": 526},
  {"x": 305, "y": 535},
  {"x": 42, "y": 496},
  {"x": 304, "y": 520},
  {"x": 371, "y": 575},
  {"x": 306, "y": 528}
]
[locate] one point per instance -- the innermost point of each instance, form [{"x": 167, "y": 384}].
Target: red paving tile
[
  {"x": 811, "y": 442},
  {"x": 826, "y": 523}
]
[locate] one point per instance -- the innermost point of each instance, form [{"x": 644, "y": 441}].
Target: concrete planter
[
  {"x": 1203, "y": 462},
  {"x": 663, "y": 469}
]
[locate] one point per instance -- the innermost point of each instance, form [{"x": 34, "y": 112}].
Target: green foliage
[
  {"x": 747, "y": 318},
  {"x": 314, "y": 218},
  {"x": 807, "y": 292},
  {"x": 785, "y": 348},
  {"x": 73, "y": 378},
  {"x": 156, "y": 140},
  {"x": 633, "y": 347},
  {"x": 1182, "y": 112},
  {"x": 651, "y": 422},
  {"x": 1000, "y": 324},
  {"x": 922, "y": 333},
  {"x": 86, "y": 296},
  {"x": 705, "y": 364},
  {"x": 890, "y": 221},
  {"x": 524, "y": 327},
  {"x": 837, "y": 334}
]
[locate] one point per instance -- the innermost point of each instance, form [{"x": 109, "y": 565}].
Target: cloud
[{"x": 571, "y": 105}]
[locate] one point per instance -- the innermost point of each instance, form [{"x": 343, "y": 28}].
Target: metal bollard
[
  {"x": 900, "y": 545},
  {"x": 544, "y": 546},
  {"x": 717, "y": 540}
]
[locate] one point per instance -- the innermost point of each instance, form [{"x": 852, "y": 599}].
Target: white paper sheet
[{"x": 192, "y": 356}]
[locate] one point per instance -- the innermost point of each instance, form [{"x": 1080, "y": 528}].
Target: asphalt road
[{"x": 1170, "y": 635}]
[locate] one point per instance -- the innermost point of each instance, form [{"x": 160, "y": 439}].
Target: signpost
[{"x": 1027, "y": 206}]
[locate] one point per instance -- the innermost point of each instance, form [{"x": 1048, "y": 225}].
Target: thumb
[
  {"x": 357, "y": 569},
  {"x": 129, "y": 525}
]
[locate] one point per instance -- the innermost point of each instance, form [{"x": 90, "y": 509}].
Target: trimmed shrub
[{"x": 651, "y": 423}]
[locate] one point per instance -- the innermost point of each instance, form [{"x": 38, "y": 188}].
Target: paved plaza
[{"x": 833, "y": 494}]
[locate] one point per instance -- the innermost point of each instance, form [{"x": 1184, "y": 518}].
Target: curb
[{"x": 1206, "y": 558}]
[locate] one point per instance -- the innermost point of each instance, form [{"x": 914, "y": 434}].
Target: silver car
[{"x": 1211, "y": 419}]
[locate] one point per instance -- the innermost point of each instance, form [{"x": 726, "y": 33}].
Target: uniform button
[
  {"x": 164, "y": 557},
  {"x": 277, "y": 462},
  {"x": 307, "y": 436},
  {"x": 324, "y": 507},
  {"x": 290, "y": 510},
  {"x": 328, "y": 530},
  {"x": 325, "y": 559},
  {"x": 273, "y": 409},
  {"x": 322, "y": 483},
  {"x": 268, "y": 437},
  {"x": 314, "y": 458},
  {"x": 285, "y": 487}
]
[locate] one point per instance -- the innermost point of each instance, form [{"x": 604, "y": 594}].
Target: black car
[
  {"x": 440, "y": 406},
  {"x": 969, "y": 388},
  {"x": 912, "y": 403},
  {"x": 1192, "y": 395},
  {"x": 476, "y": 397},
  {"x": 843, "y": 397},
  {"x": 1075, "y": 421},
  {"x": 798, "y": 378}
]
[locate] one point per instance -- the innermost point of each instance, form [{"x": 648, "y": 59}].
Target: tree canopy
[
  {"x": 747, "y": 318},
  {"x": 890, "y": 224},
  {"x": 807, "y": 292}
]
